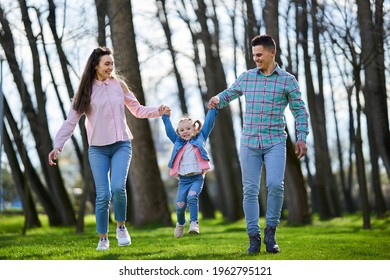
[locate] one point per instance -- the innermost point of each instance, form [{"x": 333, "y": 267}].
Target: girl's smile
[{"x": 186, "y": 130}]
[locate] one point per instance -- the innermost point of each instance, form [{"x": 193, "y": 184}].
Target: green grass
[{"x": 336, "y": 239}]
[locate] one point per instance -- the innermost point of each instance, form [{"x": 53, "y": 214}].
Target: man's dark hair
[{"x": 264, "y": 40}]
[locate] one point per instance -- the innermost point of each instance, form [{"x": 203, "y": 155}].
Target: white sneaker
[
  {"x": 194, "y": 228},
  {"x": 179, "y": 230},
  {"x": 123, "y": 236},
  {"x": 103, "y": 244}
]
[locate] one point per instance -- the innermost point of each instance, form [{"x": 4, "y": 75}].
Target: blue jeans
[
  {"x": 251, "y": 161},
  {"x": 110, "y": 166},
  {"x": 188, "y": 194}
]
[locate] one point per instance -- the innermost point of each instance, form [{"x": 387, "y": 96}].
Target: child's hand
[
  {"x": 213, "y": 102},
  {"x": 164, "y": 110}
]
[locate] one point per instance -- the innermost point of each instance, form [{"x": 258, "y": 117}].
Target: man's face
[{"x": 264, "y": 58}]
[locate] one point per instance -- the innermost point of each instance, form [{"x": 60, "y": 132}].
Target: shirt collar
[
  {"x": 100, "y": 83},
  {"x": 277, "y": 70}
]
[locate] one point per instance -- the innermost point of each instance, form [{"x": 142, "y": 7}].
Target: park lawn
[{"x": 337, "y": 239}]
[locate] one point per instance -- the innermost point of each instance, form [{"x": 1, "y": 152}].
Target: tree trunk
[
  {"x": 63, "y": 62},
  {"x": 360, "y": 164},
  {"x": 271, "y": 20},
  {"x": 320, "y": 100},
  {"x": 30, "y": 212},
  {"x": 163, "y": 18},
  {"x": 101, "y": 9},
  {"x": 352, "y": 142},
  {"x": 374, "y": 70},
  {"x": 251, "y": 30},
  {"x": 88, "y": 190},
  {"x": 233, "y": 16},
  {"x": 37, "y": 118},
  {"x": 227, "y": 167},
  {"x": 380, "y": 205},
  {"x": 327, "y": 196},
  {"x": 296, "y": 193},
  {"x": 347, "y": 195},
  {"x": 149, "y": 198},
  {"x": 35, "y": 182},
  {"x": 89, "y": 193}
]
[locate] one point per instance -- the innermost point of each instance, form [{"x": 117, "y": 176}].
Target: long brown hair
[{"x": 82, "y": 99}]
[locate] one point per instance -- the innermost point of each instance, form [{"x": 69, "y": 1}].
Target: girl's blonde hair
[{"x": 197, "y": 124}]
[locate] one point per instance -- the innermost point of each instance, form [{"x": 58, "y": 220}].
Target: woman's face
[
  {"x": 105, "y": 67},
  {"x": 186, "y": 129}
]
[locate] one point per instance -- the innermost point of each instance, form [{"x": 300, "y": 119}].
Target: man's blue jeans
[
  {"x": 110, "y": 166},
  {"x": 188, "y": 193},
  {"x": 251, "y": 161}
]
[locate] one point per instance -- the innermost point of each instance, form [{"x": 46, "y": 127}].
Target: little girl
[{"x": 189, "y": 163}]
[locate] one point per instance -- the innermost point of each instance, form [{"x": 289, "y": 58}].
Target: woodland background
[{"x": 181, "y": 53}]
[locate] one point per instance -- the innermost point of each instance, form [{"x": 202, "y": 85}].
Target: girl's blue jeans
[
  {"x": 188, "y": 194},
  {"x": 251, "y": 161},
  {"x": 110, "y": 166}
]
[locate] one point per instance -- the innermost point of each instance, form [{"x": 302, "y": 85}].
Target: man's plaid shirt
[{"x": 266, "y": 98}]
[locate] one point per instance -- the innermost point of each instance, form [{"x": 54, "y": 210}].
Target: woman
[{"x": 102, "y": 96}]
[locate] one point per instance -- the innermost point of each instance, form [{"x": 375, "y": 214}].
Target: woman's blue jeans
[
  {"x": 188, "y": 194},
  {"x": 110, "y": 166},
  {"x": 251, "y": 161}
]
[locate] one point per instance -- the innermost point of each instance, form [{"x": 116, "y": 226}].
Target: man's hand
[
  {"x": 300, "y": 149},
  {"x": 213, "y": 102}
]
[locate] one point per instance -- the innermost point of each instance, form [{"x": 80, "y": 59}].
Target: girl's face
[
  {"x": 105, "y": 67},
  {"x": 186, "y": 130}
]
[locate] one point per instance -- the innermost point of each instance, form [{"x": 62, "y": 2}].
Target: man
[{"x": 267, "y": 90}]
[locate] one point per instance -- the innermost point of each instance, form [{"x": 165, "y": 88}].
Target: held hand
[
  {"x": 300, "y": 149},
  {"x": 53, "y": 156},
  {"x": 213, "y": 102},
  {"x": 164, "y": 110}
]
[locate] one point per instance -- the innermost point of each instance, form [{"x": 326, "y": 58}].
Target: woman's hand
[
  {"x": 53, "y": 156},
  {"x": 164, "y": 110}
]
